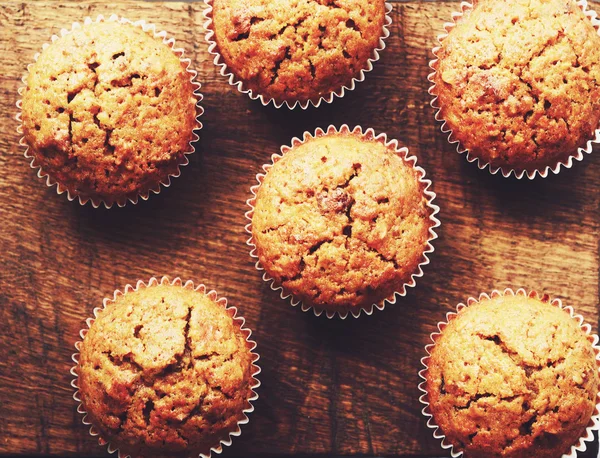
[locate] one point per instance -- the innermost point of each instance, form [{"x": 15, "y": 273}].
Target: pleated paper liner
[
  {"x": 506, "y": 172},
  {"x": 403, "y": 153},
  {"x": 266, "y": 100},
  {"x": 594, "y": 423},
  {"x": 95, "y": 201},
  {"x": 231, "y": 311}
]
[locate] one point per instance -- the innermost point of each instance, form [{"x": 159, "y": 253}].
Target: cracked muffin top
[
  {"x": 165, "y": 370},
  {"x": 518, "y": 82},
  {"x": 341, "y": 222},
  {"x": 512, "y": 376},
  {"x": 297, "y": 50},
  {"x": 109, "y": 111}
]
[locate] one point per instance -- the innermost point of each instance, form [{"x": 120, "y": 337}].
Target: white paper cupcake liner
[
  {"x": 212, "y": 294},
  {"x": 265, "y": 100},
  {"x": 369, "y": 134},
  {"x": 96, "y": 202},
  {"x": 505, "y": 171},
  {"x": 594, "y": 424}
]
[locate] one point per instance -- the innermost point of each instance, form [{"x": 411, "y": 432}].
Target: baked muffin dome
[
  {"x": 341, "y": 222},
  {"x": 512, "y": 376},
  {"x": 518, "y": 82},
  {"x": 165, "y": 371},
  {"x": 109, "y": 112},
  {"x": 297, "y": 50}
]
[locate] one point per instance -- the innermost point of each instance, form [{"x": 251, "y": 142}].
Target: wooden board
[{"x": 328, "y": 386}]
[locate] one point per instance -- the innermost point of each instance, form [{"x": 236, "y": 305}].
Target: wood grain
[{"x": 328, "y": 387}]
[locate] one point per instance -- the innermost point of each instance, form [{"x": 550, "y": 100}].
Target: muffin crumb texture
[
  {"x": 297, "y": 50},
  {"x": 109, "y": 111},
  {"x": 164, "y": 371},
  {"x": 518, "y": 82},
  {"x": 512, "y": 377},
  {"x": 341, "y": 222}
]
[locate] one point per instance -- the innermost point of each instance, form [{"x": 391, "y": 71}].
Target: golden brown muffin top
[
  {"x": 165, "y": 370},
  {"x": 297, "y": 50},
  {"x": 341, "y": 221},
  {"x": 518, "y": 81},
  {"x": 512, "y": 377},
  {"x": 109, "y": 111}
]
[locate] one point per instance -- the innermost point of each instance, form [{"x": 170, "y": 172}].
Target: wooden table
[{"x": 328, "y": 386}]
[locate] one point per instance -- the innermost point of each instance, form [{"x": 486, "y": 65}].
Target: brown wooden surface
[{"x": 328, "y": 386}]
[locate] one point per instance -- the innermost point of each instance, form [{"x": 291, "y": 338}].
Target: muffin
[
  {"x": 296, "y": 51},
  {"x": 518, "y": 83},
  {"x": 166, "y": 370},
  {"x": 109, "y": 112},
  {"x": 512, "y": 376},
  {"x": 342, "y": 221}
]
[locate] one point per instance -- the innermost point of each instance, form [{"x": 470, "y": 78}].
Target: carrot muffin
[
  {"x": 109, "y": 112},
  {"x": 297, "y": 50},
  {"x": 341, "y": 222},
  {"x": 165, "y": 371},
  {"x": 518, "y": 82},
  {"x": 512, "y": 376}
]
